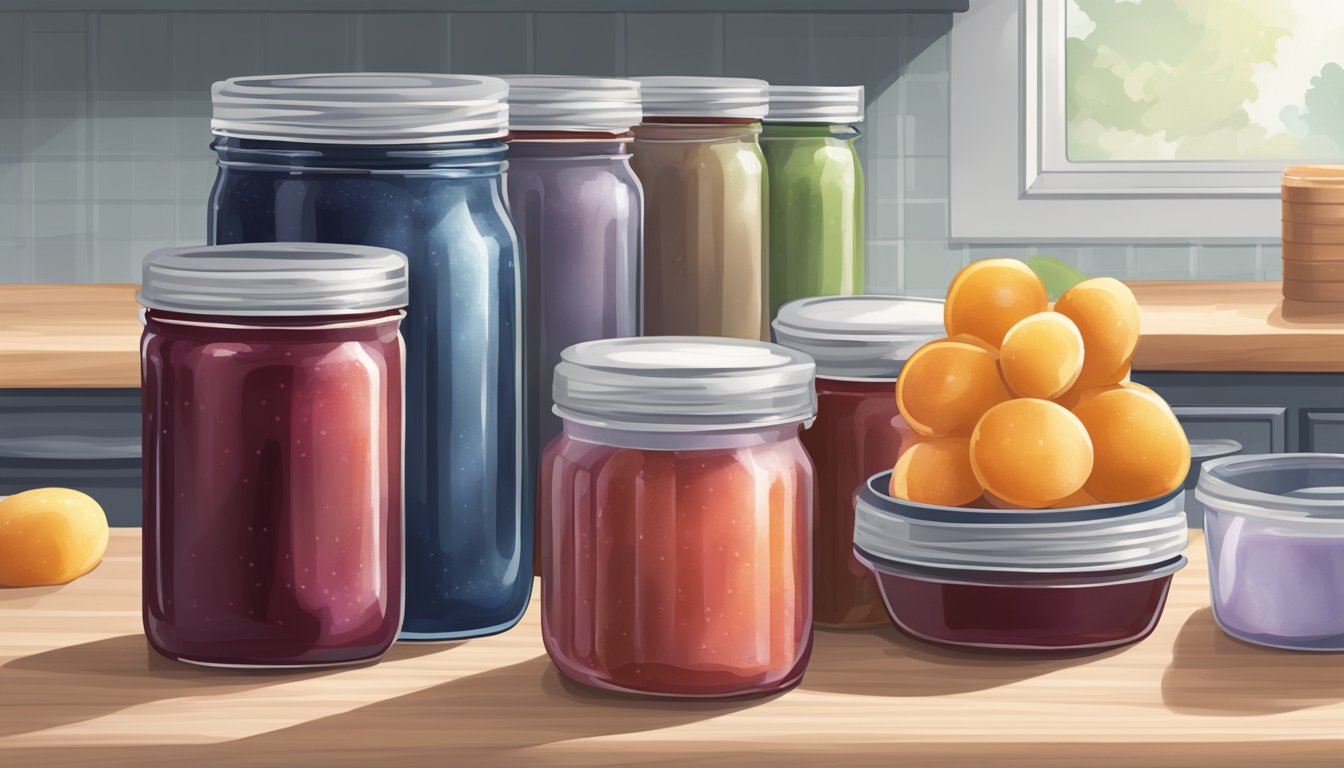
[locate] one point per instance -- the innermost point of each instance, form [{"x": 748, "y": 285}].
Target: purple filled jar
[
  {"x": 579, "y": 213},
  {"x": 1274, "y": 525}
]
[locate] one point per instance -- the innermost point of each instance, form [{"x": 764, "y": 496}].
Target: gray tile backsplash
[{"x": 104, "y": 119}]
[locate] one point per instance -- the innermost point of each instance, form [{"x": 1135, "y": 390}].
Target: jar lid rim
[
  {"x": 274, "y": 279},
  {"x": 683, "y": 383}
]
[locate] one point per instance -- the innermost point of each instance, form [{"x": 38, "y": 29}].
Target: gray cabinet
[
  {"x": 86, "y": 439},
  {"x": 1323, "y": 431}
]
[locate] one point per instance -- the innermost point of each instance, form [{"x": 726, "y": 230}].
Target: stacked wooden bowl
[{"x": 1313, "y": 236}]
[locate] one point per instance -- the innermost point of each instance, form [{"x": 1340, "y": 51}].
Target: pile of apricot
[{"x": 1028, "y": 406}]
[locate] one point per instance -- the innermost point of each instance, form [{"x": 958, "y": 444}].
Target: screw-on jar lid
[
  {"x": 828, "y": 104},
  {"x": 683, "y": 384},
  {"x": 727, "y": 97},
  {"x": 859, "y": 337},
  {"x": 566, "y": 103},
  {"x": 1102, "y": 537},
  {"x": 274, "y": 279},
  {"x": 361, "y": 108}
]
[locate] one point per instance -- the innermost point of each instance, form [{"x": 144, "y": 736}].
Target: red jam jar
[
  {"x": 1040, "y": 579},
  {"x": 859, "y": 344},
  {"x": 272, "y": 379},
  {"x": 676, "y": 505}
]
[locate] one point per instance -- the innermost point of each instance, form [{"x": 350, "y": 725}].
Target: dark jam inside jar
[
  {"x": 1026, "y": 611},
  {"x": 272, "y": 480},
  {"x": 858, "y": 432}
]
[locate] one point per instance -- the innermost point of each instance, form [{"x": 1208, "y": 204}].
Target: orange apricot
[
  {"x": 1030, "y": 453},
  {"x": 988, "y": 297},
  {"x": 1041, "y": 355},
  {"x": 1107, "y": 316},
  {"x": 1141, "y": 450},
  {"x": 945, "y": 387},
  {"x": 936, "y": 471}
]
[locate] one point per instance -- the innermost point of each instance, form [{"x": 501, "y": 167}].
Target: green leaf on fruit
[{"x": 1058, "y": 276}]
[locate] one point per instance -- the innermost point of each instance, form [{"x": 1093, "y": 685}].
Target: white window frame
[{"x": 1011, "y": 180}]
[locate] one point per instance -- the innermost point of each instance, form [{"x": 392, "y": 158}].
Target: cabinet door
[
  {"x": 1259, "y": 429},
  {"x": 1323, "y": 431},
  {"x": 1218, "y": 431},
  {"x": 88, "y": 440}
]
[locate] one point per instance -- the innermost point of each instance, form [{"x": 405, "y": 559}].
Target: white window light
[{"x": 1012, "y": 179}]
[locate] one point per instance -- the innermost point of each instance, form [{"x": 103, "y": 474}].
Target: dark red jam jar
[
  {"x": 1042, "y": 579},
  {"x": 859, "y": 344},
  {"x": 272, "y": 381}
]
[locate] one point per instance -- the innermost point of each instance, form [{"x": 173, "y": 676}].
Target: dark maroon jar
[
  {"x": 272, "y": 418},
  {"x": 859, "y": 344}
]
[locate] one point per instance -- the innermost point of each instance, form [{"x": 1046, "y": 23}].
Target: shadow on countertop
[
  {"x": 1213, "y": 674},
  {"x": 882, "y": 661}
]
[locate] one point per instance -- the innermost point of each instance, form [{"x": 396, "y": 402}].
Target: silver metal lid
[
  {"x": 566, "y": 103},
  {"x": 274, "y": 279},
  {"x": 859, "y": 337},
  {"x": 729, "y": 97},
  {"x": 1102, "y": 537},
  {"x": 826, "y": 104},
  {"x": 361, "y": 108},
  {"x": 683, "y": 384}
]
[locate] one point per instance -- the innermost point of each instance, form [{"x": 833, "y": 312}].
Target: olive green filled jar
[
  {"x": 699, "y": 161},
  {"x": 815, "y": 206}
]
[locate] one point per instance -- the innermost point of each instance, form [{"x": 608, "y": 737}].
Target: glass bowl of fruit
[{"x": 1041, "y": 506}]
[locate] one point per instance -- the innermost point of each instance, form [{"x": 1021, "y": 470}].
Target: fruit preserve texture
[
  {"x": 272, "y": 480},
  {"x": 677, "y": 572},
  {"x": 858, "y": 432}
]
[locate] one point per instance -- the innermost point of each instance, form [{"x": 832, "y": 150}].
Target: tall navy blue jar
[{"x": 413, "y": 163}]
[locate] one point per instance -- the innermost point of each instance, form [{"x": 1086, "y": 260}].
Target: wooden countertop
[
  {"x": 88, "y": 335},
  {"x": 78, "y": 686},
  {"x": 1233, "y": 326},
  {"x": 69, "y": 336}
]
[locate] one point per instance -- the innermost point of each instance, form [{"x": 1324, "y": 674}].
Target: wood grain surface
[
  {"x": 78, "y": 686},
  {"x": 89, "y": 335},
  {"x": 1234, "y": 326},
  {"x": 69, "y": 336}
]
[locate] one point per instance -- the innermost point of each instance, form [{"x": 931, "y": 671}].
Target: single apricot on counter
[
  {"x": 1041, "y": 355},
  {"x": 49, "y": 536},
  {"x": 1141, "y": 450},
  {"x": 1031, "y": 453},
  {"x": 946, "y": 386},
  {"x": 936, "y": 471},
  {"x": 988, "y": 297},
  {"x": 1107, "y": 316}
]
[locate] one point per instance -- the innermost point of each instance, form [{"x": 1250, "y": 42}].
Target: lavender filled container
[{"x": 1274, "y": 526}]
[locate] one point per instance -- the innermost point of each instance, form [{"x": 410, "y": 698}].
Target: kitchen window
[{"x": 1139, "y": 120}]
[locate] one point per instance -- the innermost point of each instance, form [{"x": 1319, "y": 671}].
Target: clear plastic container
[
  {"x": 816, "y": 191},
  {"x": 698, "y": 157},
  {"x": 272, "y": 430},
  {"x": 1274, "y": 526},
  {"x": 676, "y": 545},
  {"x": 1069, "y": 578},
  {"x": 859, "y": 344}
]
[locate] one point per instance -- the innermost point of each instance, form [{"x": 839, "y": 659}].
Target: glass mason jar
[
  {"x": 272, "y": 430},
  {"x": 816, "y": 192},
  {"x": 859, "y": 344},
  {"x": 579, "y": 212},
  {"x": 676, "y": 552},
  {"x": 704, "y": 181},
  {"x": 411, "y": 162}
]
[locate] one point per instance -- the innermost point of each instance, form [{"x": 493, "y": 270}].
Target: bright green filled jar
[{"x": 816, "y": 192}]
